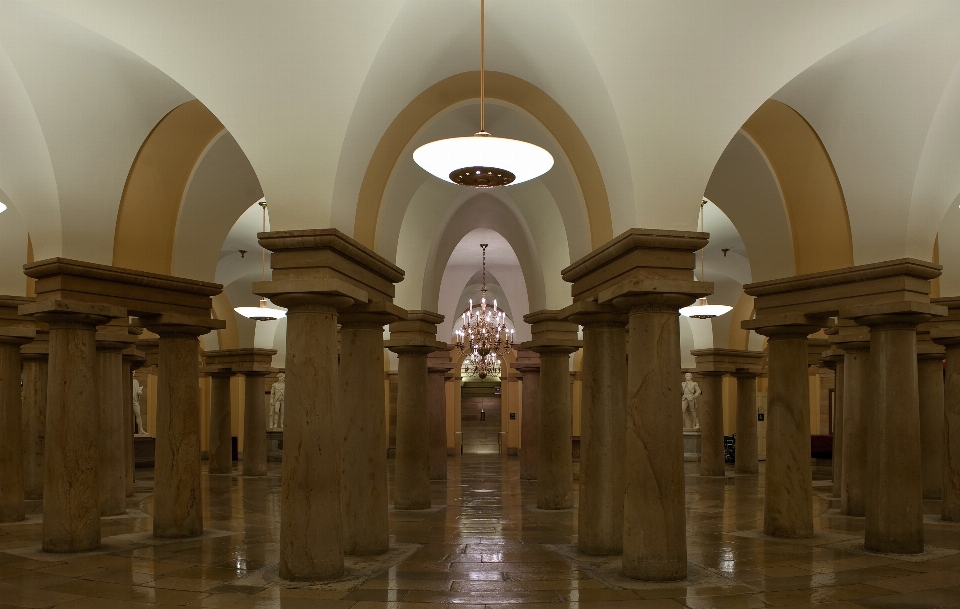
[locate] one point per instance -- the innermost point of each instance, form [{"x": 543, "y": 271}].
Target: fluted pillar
[
  {"x": 528, "y": 365},
  {"x": 362, "y": 426},
  {"x": 747, "y": 453},
  {"x": 603, "y": 419},
  {"x": 894, "y": 506},
  {"x": 111, "y": 341},
  {"x": 221, "y": 459},
  {"x": 11, "y": 426},
  {"x": 34, "y": 358},
  {"x": 71, "y": 465},
  {"x": 930, "y": 392}
]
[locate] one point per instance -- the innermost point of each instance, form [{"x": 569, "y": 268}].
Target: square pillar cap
[
  {"x": 91, "y": 312},
  {"x": 727, "y": 361},
  {"x": 920, "y": 311},
  {"x": 374, "y": 312}
]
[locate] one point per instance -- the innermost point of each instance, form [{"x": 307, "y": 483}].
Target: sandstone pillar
[
  {"x": 711, "y": 424},
  {"x": 412, "y": 340},
  {"x": 554, "y": 340},
  {"x": 71, "y": 474},
  {"x": 438, "y": 365},
  {"x": 132, "y": 360},
  {"x": 362, "y": 426},
  {"x": 747, "y": 453},
  {"x": 950, "y": 505},
  {"x": 833, "y": 359},
  {"x": 930, "y": 391},
  {"x": 254, "y": 424},
  {"x": 11, "y": 426},
  {"x": 788, "y": 490},
  {"x": 177, "y": 499},
  {"x": 316, "y": 274},
  {"x": 528, "y": 365},
  {"x": 856, "y": 408},
  {"x": 603, "y": 419},
  {"x": 111, "y": 341},
  {"x": 894, "y": 508},
  {"x": 221, "y": 461},
  {"x": 34, "y": 357}
]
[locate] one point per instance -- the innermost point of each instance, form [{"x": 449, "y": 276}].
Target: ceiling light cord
[{"x": 482, "y": 68}]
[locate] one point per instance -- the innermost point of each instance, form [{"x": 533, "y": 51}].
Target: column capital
[
  {"x": 171, "y": 324},
  {"x": 785, "y": 325},
  {"x": 440, "y": 362},
  {"x": 589, "y": 313},
  {"x": 376, "y": 313},
  {"x": 849, "y": 337},
  {"x": 55, "y": 311},
  {"x": 415, "y": 335},
  {"x": 551, "y": 335},
  {"x": 727, "y": 361},
  {"x": 39, "y": 348},
  {"x": 908, "y": 314},
  {"x": 11, "y": 317},
  {"x": 527, "y": 362},
  {"x": 247, "y": 361},
  {"x": 115, "y": 336},
  {"x": 17, "y": 336},
  {"x": 831, "y": 357}
]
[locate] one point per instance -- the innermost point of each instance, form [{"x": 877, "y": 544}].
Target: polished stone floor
[{"x": 486, "y": 546}]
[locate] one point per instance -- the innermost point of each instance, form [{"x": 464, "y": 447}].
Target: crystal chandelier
[
  {"x": 263, "y": 312},
  {"x": 481, "y": 160},
  {"x": 484, "y": 336},
  {"x": 700, "y": 309}
]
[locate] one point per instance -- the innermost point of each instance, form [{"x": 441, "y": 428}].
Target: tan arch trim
[
  {"x": 504, "y": 87},
  {"x": 811, "y": 190},
  {"x": 150, "y": 205}
]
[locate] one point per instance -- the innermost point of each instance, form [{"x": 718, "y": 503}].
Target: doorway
[{"x": 480, "y": 417}]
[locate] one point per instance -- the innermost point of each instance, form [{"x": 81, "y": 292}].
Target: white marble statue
[
  {"x": 276, "y": 402},
  {"x": 137, "y": 394},
  {"x": 691, "y": 391}
]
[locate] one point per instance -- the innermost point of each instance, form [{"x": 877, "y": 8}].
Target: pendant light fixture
[
  {"x": 482, "y": 160},
  {"x": 263, "y": 312},
  {"x": 700, "y": 309},
  {"x": 484, "y": 337}
]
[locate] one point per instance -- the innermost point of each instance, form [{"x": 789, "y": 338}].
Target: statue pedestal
[
  {"x": 274, "y": 445},
  {"x": 691, "y": 445},
  {"x": 144, "y": 449}
]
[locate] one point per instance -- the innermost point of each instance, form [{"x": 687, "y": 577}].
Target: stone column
[
  {"x": 554, "y": 340},
  {"x": 528, "y": 365},
  {"x": 132, "y": 360},
  {"x": 412, "y": 340},
  {"x": 71, "y": 474},
  {"x": 111, "y": 341},
  {"x": 894, "y": 506},
  {"x": 930, "y": 391},
  {"x": 833, "y": 359},
  {"x": 362, "y": 424},
  {"x": 254, "y": 424},
  {"x": 11, "y": 426},
  {"x": 316, "y": 273},
  {"x": 950, "y": 505},
  {"x": 34, "y": 357},
  {"x": 654, "y": 536},
  {"x": 177, "y": 502},
  {"x": 788, "y": 489},
  {"x": 711, "y": 424},
  {"x": 603, "y": 418},
  {"x": 747, "y": 453},
  {"x": 438, "y": 365},
  {"x": 221, "y": 459},
  {"x": 856, "y": 388}
]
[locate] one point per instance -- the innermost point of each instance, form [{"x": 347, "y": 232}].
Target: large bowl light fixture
[
  {"x": 481, "y": 160},
  {"x": 262, "y": 312},
  {"x": 700, "y": 309}
]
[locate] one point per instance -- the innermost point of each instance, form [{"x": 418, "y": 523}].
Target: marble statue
[
  {"x": 691, "y": 391},
  {"x": 137, "y": 394},
  {"x": 276, "y": 402}
]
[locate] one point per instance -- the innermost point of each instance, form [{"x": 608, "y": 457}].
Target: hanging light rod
[
  {"x": 700, "y": 309},
  {"x": 263, "y": 312},
  {"x": 482, "y": 160}
]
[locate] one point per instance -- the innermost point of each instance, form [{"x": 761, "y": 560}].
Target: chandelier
[
  {"x": 263, "y": 312},
  {"x": 484, "y": 336},
  {"x": 481, "y": 160},
  {"x": 700, "y": 309}
]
